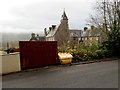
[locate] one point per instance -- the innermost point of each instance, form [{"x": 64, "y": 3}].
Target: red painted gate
[{"x": 37, "y": 53}]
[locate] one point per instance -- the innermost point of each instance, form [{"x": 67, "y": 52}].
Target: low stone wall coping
[{"x": 10, "y": 54}]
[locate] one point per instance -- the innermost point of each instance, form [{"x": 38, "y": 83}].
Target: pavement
[{"x": 94, "y": 75}]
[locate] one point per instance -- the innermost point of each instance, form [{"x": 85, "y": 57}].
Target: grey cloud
[{"x": 43, "y": 14}]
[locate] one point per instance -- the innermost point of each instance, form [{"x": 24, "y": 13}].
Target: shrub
[
  {"x": 84, "y": 53},
  {"x": 107, "y": 53},
  {"x": 94, "y": 56},
  {"x": 93, "y": 48},
  {"x": 100, "y": 53},
  {"x": 62, "y": 49},
  {"x": 112, "y": 47}
]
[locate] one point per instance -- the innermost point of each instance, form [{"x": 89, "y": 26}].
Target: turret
[{"x": 64, "y": 18}]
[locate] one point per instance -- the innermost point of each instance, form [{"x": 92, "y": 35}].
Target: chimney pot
[
  {"x": 53, "y": 27},
  {"x": 50, "y": 28},
  {"x": 92, "y": 27},
  {"x": 85, "y": 28}
]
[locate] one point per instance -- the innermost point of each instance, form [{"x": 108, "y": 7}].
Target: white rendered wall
[{"x": 10, "y": 63}]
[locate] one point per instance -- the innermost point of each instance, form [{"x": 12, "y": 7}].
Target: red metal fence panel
[{"x": 37, "y": 53}]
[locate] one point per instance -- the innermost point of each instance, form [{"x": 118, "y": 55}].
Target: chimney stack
[
  {"x": 85, "y": 28},
  {"x": 50, "y": 28},
  {"x": 45, "y": 32},
  {"x": 92, "y": 27},
  {"x": 53, "y": 27}
]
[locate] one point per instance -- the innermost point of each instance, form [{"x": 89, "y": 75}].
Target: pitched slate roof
[
  {"x": 91, "y": 32},
  {"x": 94, "y": 32},
  {"x": 52, "y": 32},
  {"x": 75, "y": 32},
  {"x": 86, "y": 33}
]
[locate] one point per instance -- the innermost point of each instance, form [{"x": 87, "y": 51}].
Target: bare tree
[{"x": 107, "y": 17}]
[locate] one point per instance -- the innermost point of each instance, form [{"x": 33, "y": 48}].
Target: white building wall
[{"x": 10, "y": 63}]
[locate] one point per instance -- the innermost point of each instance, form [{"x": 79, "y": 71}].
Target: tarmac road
[{"x": 95, "y": 75}]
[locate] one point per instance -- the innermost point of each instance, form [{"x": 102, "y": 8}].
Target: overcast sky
[{"x": 35, "y": 15}]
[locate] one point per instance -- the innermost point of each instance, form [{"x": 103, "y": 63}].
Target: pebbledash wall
[{"x": 10, "y": 63}]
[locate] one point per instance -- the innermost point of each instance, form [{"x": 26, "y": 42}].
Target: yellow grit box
[{"x": 65, "y": 58}]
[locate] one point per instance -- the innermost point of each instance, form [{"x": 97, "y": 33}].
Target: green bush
[
  {"x": 112, "y": 47},
  {"x": 107, "y": 53},
  {"x": 85, "y": 53},
  {"x": 100, "y": 53},
  {"x": 82, "y": 55},
  {"x": 94, "y": 56}
]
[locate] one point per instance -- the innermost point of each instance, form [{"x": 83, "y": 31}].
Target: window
[
  {"x": 97, "y": 38},
  {"x": 90, "y": 38},
  {"x": 86, "y": 38},
  {"x": 74, "y": 38}
]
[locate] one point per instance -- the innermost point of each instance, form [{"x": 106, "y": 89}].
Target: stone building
[
  {"x": 92, "y": 36},
  {"x": 37, "y": 38},
  {"x": 75, "y": 36},
  {"x": 33, "y": 37},
  {"x": 61, "y": 32}
]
